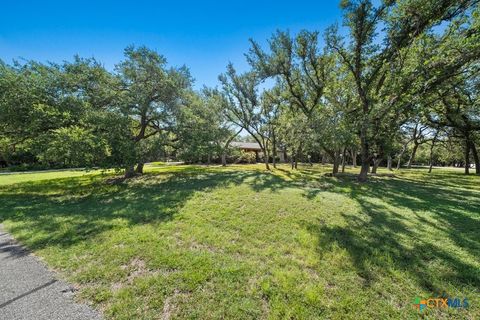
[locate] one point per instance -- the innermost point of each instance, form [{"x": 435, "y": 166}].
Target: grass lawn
[
  {"x": 7, "y": 178},
  {"x": 241, "y": 243}
]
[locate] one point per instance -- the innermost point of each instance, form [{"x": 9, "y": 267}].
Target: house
[
  {"x": 255, "y": 148},
  {"x": 246, "y": 146}
]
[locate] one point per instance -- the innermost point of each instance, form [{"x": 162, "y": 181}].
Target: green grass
[
  {"x": 12, "y": 177},
  {"x": 193, "y": 242}
]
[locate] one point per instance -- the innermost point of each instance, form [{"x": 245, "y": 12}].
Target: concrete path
[{"x": 28, "y": 290}]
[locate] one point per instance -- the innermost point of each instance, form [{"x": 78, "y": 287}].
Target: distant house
[
  {"x": 246, "y": 146},
  {"x": 255, "y": 148}
]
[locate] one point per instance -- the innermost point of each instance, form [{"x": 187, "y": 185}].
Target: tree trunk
[
  {"x": 139, "y": 168},
  {"x": 129, "y": 172},
  {"x": 389, "y": 163},
  {"x": 323, "y": 159},
  {"x": 274, "y": 149},
  {"x": 431, "y": 153},
  {"x": 364, "y": 154},
  {"x": 354, "y": 158},
  {"x": 336, "y": 165},
  {"x": 336, "y": 162},
  {"x": 265, "y": 157},
  {"x": 412, "y": 155},
  {"x": 292, "y": 161},
  {"x": 274, "y": 162},
  {"x": 376, "y": 163},
  {"x": 475, "y": 157},
  {"x": 225, "y": 147},
  {"x": 400, "y": 156},
  {"x": 467, "y": 155},
  {"x": 399, "y": 161},
  {"x": 344, "y": 157},
  {"x": 362, "y": 177}
]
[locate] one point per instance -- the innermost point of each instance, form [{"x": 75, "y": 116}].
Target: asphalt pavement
[{"x": 29, "y": 291}]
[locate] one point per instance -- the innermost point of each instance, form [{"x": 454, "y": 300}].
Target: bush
[{"x": 245, "y": 157}]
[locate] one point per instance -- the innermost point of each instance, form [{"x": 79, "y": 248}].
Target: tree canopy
[{"x": 394, "y": 81}]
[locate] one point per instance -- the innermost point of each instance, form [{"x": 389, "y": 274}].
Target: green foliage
[
  {"x": 380, "y": 62},
  {"x": 393, "y": 66},
  {"x": 33, "y": 101},
  {"x": 58, "y": 112},
  {"x": 72, "y": 147},
  {"x": 203, "y": 129},
  {"x": 249, "y": 109},
  {"x": 301, "y": 71},
  {"x": 295, "y": 132},
  {"x": 244, "y": 157},
  {"x": 150, "y": 97}
]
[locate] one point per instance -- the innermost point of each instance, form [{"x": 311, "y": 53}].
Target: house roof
[{"x": 245, "y": 145}]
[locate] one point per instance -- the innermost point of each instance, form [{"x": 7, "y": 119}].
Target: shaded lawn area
[{"x": 243, "y": 243}]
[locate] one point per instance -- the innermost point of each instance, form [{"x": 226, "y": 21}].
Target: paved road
[{"x": 28, "y": 290}]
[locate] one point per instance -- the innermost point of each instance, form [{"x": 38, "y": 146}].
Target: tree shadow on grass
[
  {"x": 455, "y": 212},
  {"x": 64, "y": 212},
  {"x": 379, "y": 239}
]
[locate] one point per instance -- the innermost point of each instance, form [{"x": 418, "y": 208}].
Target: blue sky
[{"x": 204, "y": 35}]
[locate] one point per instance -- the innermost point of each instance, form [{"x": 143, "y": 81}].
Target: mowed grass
[
  {"x": 7, "y": 178},
  {"x": 188, "y": 242}
]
